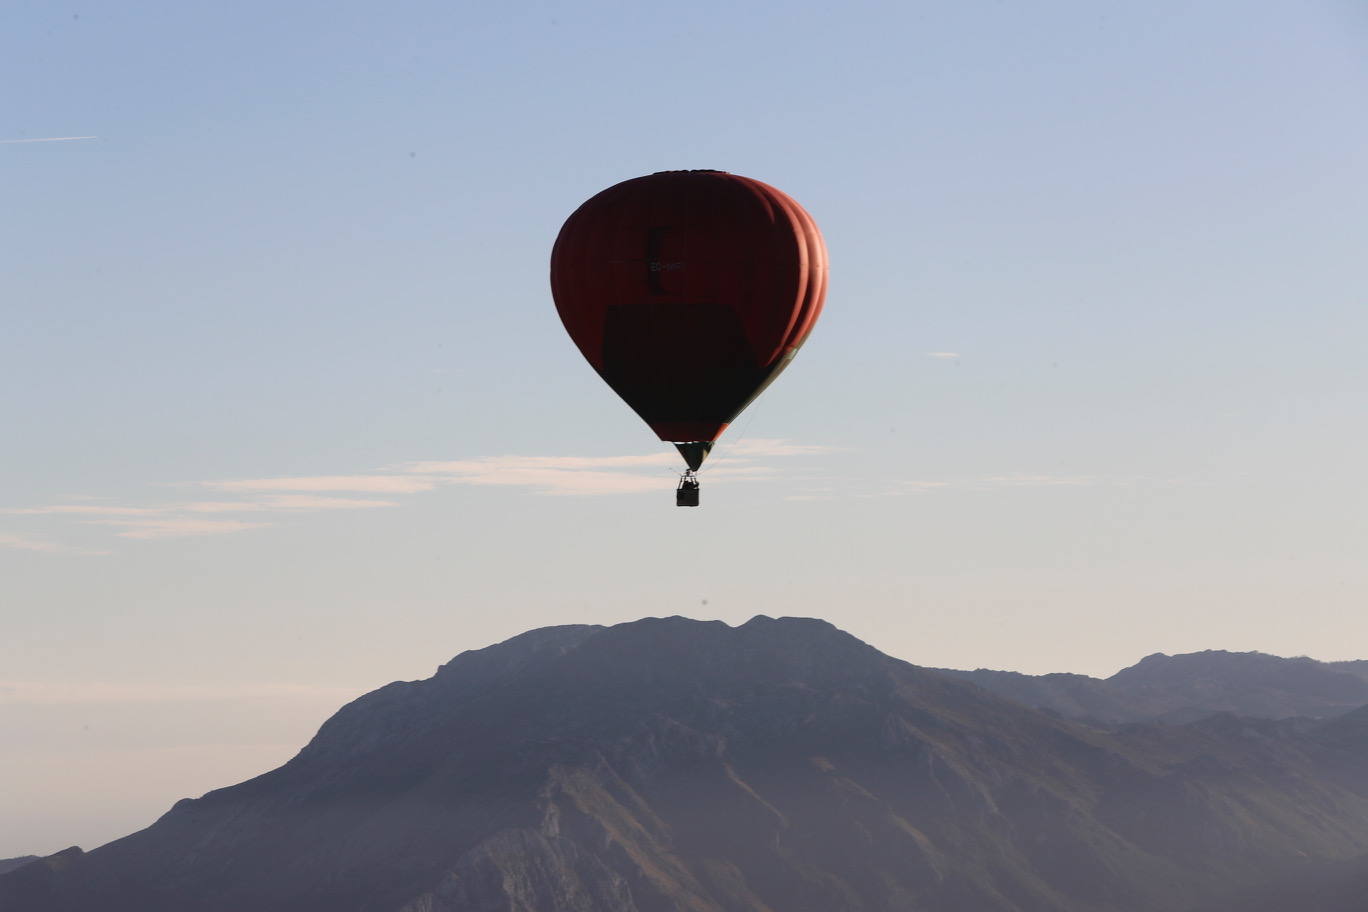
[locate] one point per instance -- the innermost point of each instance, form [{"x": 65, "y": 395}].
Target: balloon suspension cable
[{"x": 728, "y": 447}]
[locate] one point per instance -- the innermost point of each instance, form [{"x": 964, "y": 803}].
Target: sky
[{"x": 288, "y": 412}]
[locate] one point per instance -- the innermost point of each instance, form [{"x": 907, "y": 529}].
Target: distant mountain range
[
  {"x": 670, "y": 765},
  {"x": 1182, "y": 688},
  {"x": 9, "y": 864}
]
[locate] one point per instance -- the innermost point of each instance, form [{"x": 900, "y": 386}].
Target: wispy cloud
[
  {"x": 554, "y": 474},
  {"x": 84, "y": 510},
  {"x": 26, "y": 543},
  {"x": 599, "y": 475},
  {"x": 567, "y": 463},
  {"x": 42, "y": 139},
  {"x": 218, "y": 506},
  {"x": 355, "y": 484},
  {"x": 253, "y": 500},
  {"x": 174, "y": 527},
  {"x": 943, "y": 355},
  {"x": 41, "y": 545},
  {"x": 284, "y": 503}
]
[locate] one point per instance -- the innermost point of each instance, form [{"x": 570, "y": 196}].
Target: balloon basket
[{"x": 686, "y": 495}]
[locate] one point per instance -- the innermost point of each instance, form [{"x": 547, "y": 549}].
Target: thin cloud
[
  {"x": 25, "y": 543},
  {"x": 41, "y": 545},
  {"x": 84, "y": 510},
  {"x": 596, "y": 475},
  {"x": 943, "y": 355},
  {"x": 175, "y": 527},
  {"x": 565, "y": 475},
  {"x": 354, "y": 484},
  {"x": 42, "y": 139},
  {"x": 222, "y": 506},
  {"x": 559, "y": 463},
  {"x": 285, "y": 502},
  {"x": 256, "y": 498},
  {"x": 309, "y": 502}
]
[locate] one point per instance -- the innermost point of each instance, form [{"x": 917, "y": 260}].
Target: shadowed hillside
[
  {"x": 780, "y": 766},
  {"x": 1340, "y": 886},
  {"x": 9, "y": 864}
]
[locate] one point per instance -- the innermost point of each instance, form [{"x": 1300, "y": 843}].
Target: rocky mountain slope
[
  {"x": 1339, "y": 886},
  {"x": 670, "y": 765},
  {"x": 1185, "y": 687}
]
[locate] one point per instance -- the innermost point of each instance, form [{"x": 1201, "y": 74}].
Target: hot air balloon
[{"x": 689, "y": 292}]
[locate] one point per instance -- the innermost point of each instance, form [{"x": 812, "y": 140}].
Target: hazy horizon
[{"x": 200, "y": 718}]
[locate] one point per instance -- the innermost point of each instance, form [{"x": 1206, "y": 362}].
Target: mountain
[
  {"x": 1356, "y": 667},
  {"x": 1185, "y": 687},
  {"x": 1340, "y": 886},
  {"x": 669, "y": 765},
  {"x": 9, "y": 864}
]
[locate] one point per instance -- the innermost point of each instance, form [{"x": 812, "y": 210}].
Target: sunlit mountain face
[{"x": 670, "y": 764}]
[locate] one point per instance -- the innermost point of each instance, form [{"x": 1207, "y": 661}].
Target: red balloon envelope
[{"x": 688, "y": 292}]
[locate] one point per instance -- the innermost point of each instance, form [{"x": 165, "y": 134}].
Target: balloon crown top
[{"x": 692, "y": 171}]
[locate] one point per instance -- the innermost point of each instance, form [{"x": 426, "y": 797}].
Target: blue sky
[{"x": 289, "y": 413}]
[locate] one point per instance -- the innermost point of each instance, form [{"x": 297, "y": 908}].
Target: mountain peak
[{"x": 677, "y": 764}]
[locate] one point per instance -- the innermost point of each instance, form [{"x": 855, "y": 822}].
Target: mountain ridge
[
  {"x": 1187, "y": 686},
  {"x": 667, "y": 764}
]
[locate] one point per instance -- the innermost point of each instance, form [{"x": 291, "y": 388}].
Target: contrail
[{"x": 6, "y": 142}]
